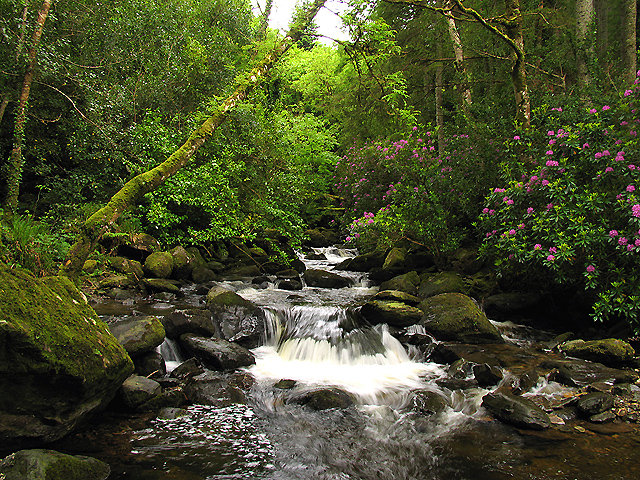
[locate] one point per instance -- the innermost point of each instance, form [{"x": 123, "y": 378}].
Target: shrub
[{"x": 575, "y": 218}]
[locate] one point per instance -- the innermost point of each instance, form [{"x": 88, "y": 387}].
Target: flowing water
[{"x": 315, "y": 338}]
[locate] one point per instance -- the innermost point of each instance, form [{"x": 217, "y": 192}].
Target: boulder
[
  {"x": 517, "y": 411},
  {"x": 216, "y": 353},
  {"x": 428, "y": 402},
  {"x": 191, "y": 320},
  {"x": 323, "y": 279},
  {"x": 595, "y": 403},
  {"x": 197, "y": 260},
  {"x": 161, "y": 285},
  {"x": 40, "y": 464},
  {"x": 395, "y": 314},
  {"x": 137, "y": 390},
  {"x": 159, "y": 265},
  {"x": 138, "y": 246},
  {"x": 203, "y": 274},
  {"x": 507, "y": 306},
  {"x": 326, "y": 398},
  {"x": 117, "y": 281},
  {"x": 138, "y": 335},
  {"x": 321, "y": 237},
  {"x": 609, "y": 351},
  {"x": 236, "y": 319},
  {"x": 213, "y": 388},
  {"x": 182, "y": 263},
  {"x": 150, "y": 364},
  {"x": 363, "y": 263},
  {"x": 397, "y": 296},
  {"x": 405, "y": 283},
  {"x": 59, "y": 363},
  {"x": 125, "y": 266},
  {"x": 487, "y": 375},
  {"x": 454, "y": 316},
  {"x": 443, "y": 282},
  {"x": 395, "y": 259},
  {"x": 289, "y": 284}
]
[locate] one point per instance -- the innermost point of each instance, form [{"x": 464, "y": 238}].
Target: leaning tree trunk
[
  {"x": 14, "y": 166},
  {"x": 92, "y": 230}
]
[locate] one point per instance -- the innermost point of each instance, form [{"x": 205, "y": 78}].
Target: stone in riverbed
[
  {"x": 324, "y": 279},
  {"x": 407, "y": 283},
  {"x": 595, "y": 403},
  {"x": 138, "y": 335},
  {"x": 455, "y": 317},
  {"x": 213, "y": 388},
  {"x": 137, "y": 390},
  {"x": 40, "y": 464},
  {"x": 395, "y": 314},
  {"x": 326, "y": 398},
  {"x": 216, "y": 353},
  {"x": 517, "y": 411},
  {"x": 438, "y": 283},
  {"x": 609, "y": 351},
  {"x": 159, "y": 265},
  {"x": 190, "y": 320}
]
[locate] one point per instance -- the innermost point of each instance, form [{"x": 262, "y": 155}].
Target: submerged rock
[
  {"x": 517, "y": 411},
  {"x": 453, "y": 316},
  {"x": 59, "y": 363},
  {"x": 610, "y": 351},
  {"x": 39, "y": 464}
]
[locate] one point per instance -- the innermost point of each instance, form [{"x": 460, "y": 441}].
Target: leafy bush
[{"x": 575, "y": 218}]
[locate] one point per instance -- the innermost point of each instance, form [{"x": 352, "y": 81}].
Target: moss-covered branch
[{"x": 93, "y": 229}]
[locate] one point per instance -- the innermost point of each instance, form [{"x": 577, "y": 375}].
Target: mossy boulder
[
  {"x": 364, "y": 262},
  {"x": 393, "y": 313},
  {"x": 161, "y": 285},
  {"x": 235, "y": 318},
  {"x": 324, "y": 279},
  {"x": 397, "y": 296},
  {"x": 90, "y": 266},
  {"x": 59, "y": 363},
  {"x": 137, "y": 390},
  {"x": 159, "y": 265},
  {"x": 456, "y": 317},
  {"x": 395, "y": 259},
  {"x": 138, "y": 335},
  {"x": 442, "y": 282},
  {"x": 405, "y": 283},
  {"x": 182, "y": 263},
  {"x": 117, "y": 281},
  {"x": 125, "y": 266},
  {"x": 609, "y": 351},
  {"x": 39, "y": 464}
]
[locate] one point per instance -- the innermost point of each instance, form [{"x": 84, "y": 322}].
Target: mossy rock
[
  {"x": 40, "y": 464},
  {"x": 609, "y": 351},
  {"x": 90, "y": 266},
  {"x": 393, "y": 313},
  {"x": 395, "y": 259},
  {"x": 117, "y": 281},
  {"x": 236, "y": 319},
  {"x": 137, "y": 390},
  {"x": 138, "y": 335},
  {"x": 161, "y": 285},
  {"x": 442, "y": 282},
  {"x": 221, "y": 296},
  {"x": 125, "y": 266},
  {"x": 182, "y": 263},
  {"x": 456, "y": 317},
  {"x": 59, "y": 363},
  {"x": 196, "y": 257},
  {"x": 364, "y": 262},
  {"x": 405, "y": 283},
  {"x": 159, "y": 265},
  {"x": 397, "y": 296}
]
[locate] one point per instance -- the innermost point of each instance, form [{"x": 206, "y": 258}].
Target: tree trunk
[
  {"x": 6, "y": 98},
  {"x": 629, "y": 43},
  {"x": 264, "y": 20},
  {"x": 461, "y": 68},
  {"x": 584, "y": 17},
  {"x": 92, "y": 230},
  {"x": 14, "y": 166}
]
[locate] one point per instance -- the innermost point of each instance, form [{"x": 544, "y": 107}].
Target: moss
[
  {"x": 51, "y": 465},
  {"x": 222, "y": 297},
  {"x": 609, "y": 351}
]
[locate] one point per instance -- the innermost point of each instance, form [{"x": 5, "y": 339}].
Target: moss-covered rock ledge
[{"x": 59, "y": 364}]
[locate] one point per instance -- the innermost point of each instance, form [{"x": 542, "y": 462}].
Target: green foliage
[
  {"x": 29, "y": 244},
  {"x": 575, "y": 218}
]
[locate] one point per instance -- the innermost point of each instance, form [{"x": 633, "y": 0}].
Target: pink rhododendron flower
[
  {"x": 551, "y": 258},
  {"x": 537, "y": 246},
  {"x": 613, "y": 233},
  {"x": 591, "y": 268},
  {"x": 593, "y": 110},
  {"x": 605, "y": 108}
]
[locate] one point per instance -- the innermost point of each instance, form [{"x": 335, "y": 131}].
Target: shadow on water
[{"x": 314, "y": 339}]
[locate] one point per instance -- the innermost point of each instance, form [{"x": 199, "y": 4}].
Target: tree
[
  {"x": 14, "y": 167},
  {"x": 584, "y": 19},
  {"x": 93, "y": 229},
  {"x": 629, "y": 40}
]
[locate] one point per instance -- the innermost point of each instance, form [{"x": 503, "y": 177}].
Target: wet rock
[
  {"x": 443, "y": 282},
  {"x": 150, "y": 364},
  {"x": 236, "y": 319},
  {"x": 405, "y": 283},
  {"x": 203, "y": 275},
  {"x": 487, "y": 375},
  {"x": 453, "y": 316},
  {"x": 428, "y": 402},
  {"x": 522, "y": 382},
  {"x": 397, "y": 296},
  {"x": 117, "y": 281},
  {"x": 610, "y": 351},
  {"x": 161, "y": 285},
  {"x": 517, "y": 411},
  {"x": 138, "y": 335},
  {"x": 217, "y": 353},
  {"x": 416, "y": 335},
  {"x": 187, "y": 369},
  {"x": 444, "y": 354},
  {"x": 363, "y": 263},
  {"x": 604, "y": 417},
  {"x": 326, "y": 398},
  {"x": 288, "y": 274},
  {"x": 289, "y": 284},
  {"x": 324, "y": 279},
  {"x": 507, "y": 306},
  {"x": 39, "y": 464},
  {"x": 595, "y": 403},
  {"x": 191, "y": 320},
  {"x": 213, "y": 388},
  {"x": 395, "y": 314},
  {"x": 460, "y": 369},
  {"x": 285, "y": 384},
  {"x": 59, "y": 363},
  {"x": 120, "y": 294},
  {"x": 171, "y": 413},
  {"x": 395, "y": 259},
  {"x": 137, "y": 390},
  {"x": 242, "y": 271},
  {"x": 159, "y": 265}
]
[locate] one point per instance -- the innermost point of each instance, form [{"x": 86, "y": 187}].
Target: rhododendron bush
[{"x": 574, "y": 217}]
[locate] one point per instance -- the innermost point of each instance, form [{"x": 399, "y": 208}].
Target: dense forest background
[{"x": 505, "y": 125}]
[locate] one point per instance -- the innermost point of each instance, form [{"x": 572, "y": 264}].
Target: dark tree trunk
[{"x": 92, "y": 230}]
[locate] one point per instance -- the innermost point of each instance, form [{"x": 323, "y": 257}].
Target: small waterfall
[
  {"x": 171, "y": 354},
  {"x": 332, "y": 346}
]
